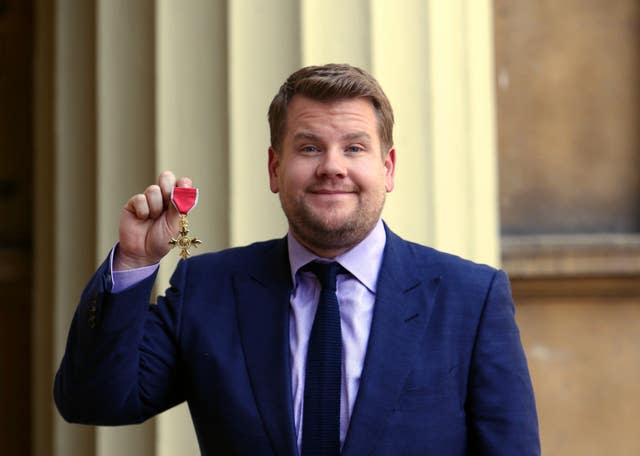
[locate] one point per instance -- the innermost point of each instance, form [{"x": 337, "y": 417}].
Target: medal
[{"x": 184, "y": 199}]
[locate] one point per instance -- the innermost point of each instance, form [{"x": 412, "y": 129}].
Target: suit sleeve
[
  {"x": 120, "y": 364},
  {"x": 501, "y": 407}
]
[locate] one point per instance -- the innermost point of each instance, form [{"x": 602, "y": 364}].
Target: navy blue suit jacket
[{"x": 444, "y": 374}]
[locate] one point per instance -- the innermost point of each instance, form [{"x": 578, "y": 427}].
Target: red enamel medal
[{"x": 184, "y": 199}]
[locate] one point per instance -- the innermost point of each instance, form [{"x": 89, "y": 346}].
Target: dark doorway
[{"x": 16, "y": 195}]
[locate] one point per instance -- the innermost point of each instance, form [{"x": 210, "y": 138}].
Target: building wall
[{"x": 568, "y": 105}]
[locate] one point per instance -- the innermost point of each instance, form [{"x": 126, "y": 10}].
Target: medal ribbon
[{"x": 184, "y": 199}]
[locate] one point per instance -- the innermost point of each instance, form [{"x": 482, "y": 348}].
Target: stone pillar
[
  {"x": 72, "y": 193},
  {"x": 125, "y": 151}
]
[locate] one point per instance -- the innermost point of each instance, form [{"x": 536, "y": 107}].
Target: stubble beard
[{"x": 326, "y": 233}]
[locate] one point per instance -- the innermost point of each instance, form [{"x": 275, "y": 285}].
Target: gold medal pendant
[
  {"x": 183, "y": 240},
  {"x": 184, "y": 199}
]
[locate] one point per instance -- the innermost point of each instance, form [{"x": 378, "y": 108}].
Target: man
[{"x": 399, "y": 350}]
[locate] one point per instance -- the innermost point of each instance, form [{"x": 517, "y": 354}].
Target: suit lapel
[
  {"x": 263, "y": 319},
  {"x": 403, "y": 306}
]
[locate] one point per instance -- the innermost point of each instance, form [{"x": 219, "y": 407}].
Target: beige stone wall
[
  {"x": 568, "y": 104},
  {"x": 581, "y": 337}
]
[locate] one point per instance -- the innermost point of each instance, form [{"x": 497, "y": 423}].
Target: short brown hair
[{"x": 330, "y": 82}]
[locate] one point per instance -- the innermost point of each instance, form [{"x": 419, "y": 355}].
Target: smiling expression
[{"x": 331, "y": 172}]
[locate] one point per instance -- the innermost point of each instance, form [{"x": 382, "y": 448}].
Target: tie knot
[{"x": 325, "y": 272}]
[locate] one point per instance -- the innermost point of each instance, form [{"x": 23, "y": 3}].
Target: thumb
[
  {"x": 173, "y": 215},
  {"x": 172, "y": 219},
  {"x": 184, "y": 182}
]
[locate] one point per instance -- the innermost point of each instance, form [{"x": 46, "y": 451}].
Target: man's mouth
[{"x": 331, "y": 191}]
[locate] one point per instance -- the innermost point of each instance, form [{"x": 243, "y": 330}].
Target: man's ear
[
  {"x": 389, "y": 169},
  {"x": 274, "y": 169}
]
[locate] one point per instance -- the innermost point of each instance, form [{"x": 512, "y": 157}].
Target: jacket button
[{"x": 92, "y": 316}]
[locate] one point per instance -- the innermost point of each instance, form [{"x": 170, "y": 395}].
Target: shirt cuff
[{"x": 121, "y": 280}]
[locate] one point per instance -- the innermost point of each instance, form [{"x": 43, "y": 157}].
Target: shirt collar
[{"x": 363, "y": 260}]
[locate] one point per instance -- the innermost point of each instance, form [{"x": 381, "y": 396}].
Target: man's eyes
[{"x": 315, "y": 149}]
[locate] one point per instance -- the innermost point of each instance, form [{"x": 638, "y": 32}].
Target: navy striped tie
[{"x": 321, "y": 421}]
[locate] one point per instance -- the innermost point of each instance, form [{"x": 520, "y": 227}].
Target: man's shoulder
[
  {"x": 444, "y": 264},
  {"x": 460, "y": 279},
  {"x": 256, "y": 254}
]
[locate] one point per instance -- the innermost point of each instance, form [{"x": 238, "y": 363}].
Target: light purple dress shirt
[
  {"x": 121, "y": 280},
  {"x": 356, "y": 294}
]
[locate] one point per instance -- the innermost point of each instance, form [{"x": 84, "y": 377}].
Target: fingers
[
  {"x": 153, "y": 194},
  {"x": 148, "y": 204},
  {"x": 166, "y": 182},
  {"x": 138, "y": 206},
  {"x": 157, "y": 198}
]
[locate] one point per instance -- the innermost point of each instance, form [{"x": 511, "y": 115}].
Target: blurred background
[{"x": 518, "y": 138}]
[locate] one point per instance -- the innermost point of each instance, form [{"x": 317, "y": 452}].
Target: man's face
[{"x": 331, "y": 173}]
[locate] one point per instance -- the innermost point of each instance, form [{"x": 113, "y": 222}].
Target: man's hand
[{"x": 147, "y": 224}]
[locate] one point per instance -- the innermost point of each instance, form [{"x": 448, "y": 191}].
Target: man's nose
[{"x": 332, "y": 164}]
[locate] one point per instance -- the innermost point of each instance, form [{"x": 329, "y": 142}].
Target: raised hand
[{"x": 147, "y": 223}]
